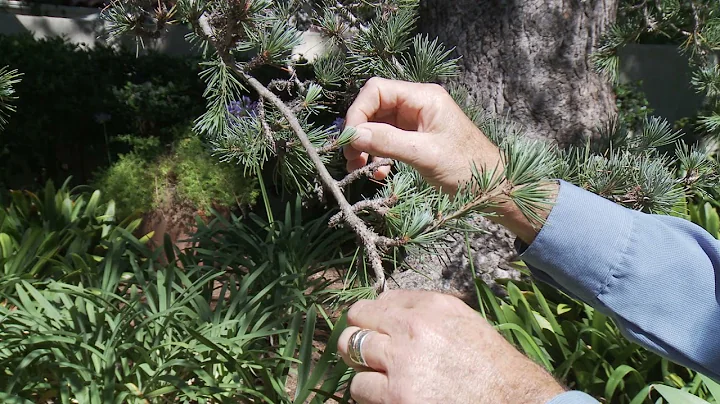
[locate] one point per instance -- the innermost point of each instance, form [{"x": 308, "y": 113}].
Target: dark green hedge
[{"x": 74, "y": 103}]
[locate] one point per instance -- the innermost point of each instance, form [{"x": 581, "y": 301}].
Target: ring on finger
[{"x": 355, "y": 344}]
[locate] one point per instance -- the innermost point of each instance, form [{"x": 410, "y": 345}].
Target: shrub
[
  {"x": 56, "y": 235},
  {"x": 147, "y": 180}
]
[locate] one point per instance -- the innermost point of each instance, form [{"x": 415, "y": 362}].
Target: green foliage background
[
  {"x": 74, "y": 102},
  {"x": 89, "y": 313},
  {"x": 150, "y": 179}
]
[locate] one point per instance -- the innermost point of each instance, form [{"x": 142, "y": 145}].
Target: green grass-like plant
[
  {"x": 118, "y": 325},
  {"x": 56, "y": 234}
]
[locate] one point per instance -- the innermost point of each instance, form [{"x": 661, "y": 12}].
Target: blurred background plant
[
  {"x": 150, "y": 178},
  {"x": 693, "y": 26},
  {"x": 73, "y": 95},
  {"x": 8, "y": 78}
]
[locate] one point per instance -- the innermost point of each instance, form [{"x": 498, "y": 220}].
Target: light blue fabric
[
  {"x": 657, "y": 276},
  {"x": 573, "y": 397}
]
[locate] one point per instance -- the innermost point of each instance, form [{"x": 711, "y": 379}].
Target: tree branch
[
  {"x": 380, "y": 205},
  {"x": 263, "y": 121},
  {"x": 368, "y": 170},
  {"x": 370, "y": 240}
]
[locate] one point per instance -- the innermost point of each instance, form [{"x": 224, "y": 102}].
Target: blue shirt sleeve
[
  {"x": 573, "y": 397},
  {"x": 658, "y": 277}
]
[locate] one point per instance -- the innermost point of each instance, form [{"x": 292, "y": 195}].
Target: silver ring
[{"x": 355, "y": 344}]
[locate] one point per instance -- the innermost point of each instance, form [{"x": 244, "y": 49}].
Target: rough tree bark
[{"x": 529, "y": 60}]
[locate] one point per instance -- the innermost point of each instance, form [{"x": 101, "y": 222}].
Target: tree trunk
[{"x": 529, "y": 59}]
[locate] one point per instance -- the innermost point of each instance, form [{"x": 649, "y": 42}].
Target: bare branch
[
  {"x": 345, "y": 12},
  {"x": 368, "y": 170},
  {"x": 380, "y": 206},
  {"x": 331, "y": 146}
]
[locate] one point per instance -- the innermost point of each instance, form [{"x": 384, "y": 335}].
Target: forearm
[{"x": 640, "y": 269}]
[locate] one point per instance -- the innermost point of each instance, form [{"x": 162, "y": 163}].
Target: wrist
[{"x": 508, "y": 214}]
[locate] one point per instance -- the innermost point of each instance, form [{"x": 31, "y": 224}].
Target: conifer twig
[
  {"x": 264, "y": 123},
  {"x": 372, "y": 242},
  {"x": 367, "y": 170},
  {"x": 379, "y": 205}
]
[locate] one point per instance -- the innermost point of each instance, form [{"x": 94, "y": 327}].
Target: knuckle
[
  {"x": 456, "y": 303},
  {"x": 428, "y": 298},
  {"x": 355, "y": 388},
  {"x": 436, "y": 89},
  {"x": 388, "y": 352},
  {"x": 355, "y": 311},
  {"x": 447, "y": 302},
  {"x": 389, "y": 294},
  {"x": 374, "y": 82},
  {"x": 416, "y": 326}
]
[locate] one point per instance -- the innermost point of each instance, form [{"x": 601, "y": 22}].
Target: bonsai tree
[{"x": 266, "y": 103}]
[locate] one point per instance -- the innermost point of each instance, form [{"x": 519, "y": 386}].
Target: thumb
[{"x": 383, "y": 140}]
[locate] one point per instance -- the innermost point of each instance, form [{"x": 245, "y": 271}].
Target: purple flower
[
  {"x": 245, "y": 107},
  {"x": 339, "y": 124}
]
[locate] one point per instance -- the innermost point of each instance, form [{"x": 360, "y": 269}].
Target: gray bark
[{"x": 529, "y": 60}]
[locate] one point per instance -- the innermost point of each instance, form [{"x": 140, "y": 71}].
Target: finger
[
  {"x": 381, "y": 100},
  {"x": 387, "y": 314},
  {"x": 356, "y": 164},
  {"x": 382, "y": 173},
  {"x": 352, "y": 153},
  {"x": 369, "y": 388},
  {"x": 379, "y": 139},
  {"x": 374, "y": 349}
]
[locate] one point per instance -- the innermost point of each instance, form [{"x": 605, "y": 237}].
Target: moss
[
  {"x": 203, "y": 181},
  {"x": 188, "y": 174}
]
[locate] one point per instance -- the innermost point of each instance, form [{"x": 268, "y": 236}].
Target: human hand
[
  {"x": 427, "y": 347},
  {"x": 419, "y": 124}
]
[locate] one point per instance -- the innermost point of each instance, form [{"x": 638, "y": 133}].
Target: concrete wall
[{"x": 79, "y": 25}]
